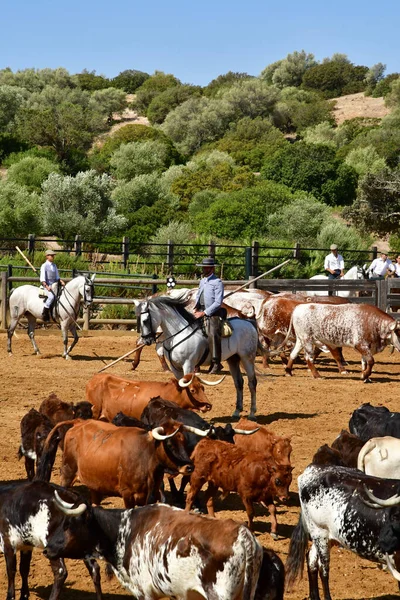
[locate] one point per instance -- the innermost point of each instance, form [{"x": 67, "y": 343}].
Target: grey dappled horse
[
  {"x": 25, "y": 300},
  {"x": 185, "y": 344},
  {"x": 355, "y": 273}
]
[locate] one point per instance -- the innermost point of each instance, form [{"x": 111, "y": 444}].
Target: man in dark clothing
[{"x": 209, "y": 304}]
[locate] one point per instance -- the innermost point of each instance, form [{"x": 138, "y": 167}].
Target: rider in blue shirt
[
  {"x": 49, "y": 277},
  {"x": 209, "y": 304}
]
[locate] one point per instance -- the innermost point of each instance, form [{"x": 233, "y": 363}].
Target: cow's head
[
  {"x": 281, "y": 478},
  {"x": 173, "y": 450},
  {"x": 75, "y": 536},
  {"x": 191, "y": 392}
]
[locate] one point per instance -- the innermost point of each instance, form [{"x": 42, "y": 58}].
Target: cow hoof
[
  {"x": 10, "y": 354},
  {"x": 252, "y": 417},
  {"x": 368, "y": 380},
  {"x": 274, "y": 536},
  {"x": 344, "y": 372}
]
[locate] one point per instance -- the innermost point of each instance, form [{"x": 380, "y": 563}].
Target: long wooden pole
[
  {"x": 122, "y": 357},
  {"x": 26, "y": 259},
  {"x": 259, "y": 277}
]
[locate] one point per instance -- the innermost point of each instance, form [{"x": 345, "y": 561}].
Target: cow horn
[
  {"x": 200, "y": 432},
  {"x": 392, "y": 501},
  {"x": 395, "y": 340},
  {"x": 157, "y": 435},
  {"x": 211, "y": 382},
  {"x": 66, "y": 507},
  {"x": 184, "y": 383},
  {"x": 246, "y": 431},
  {"x": 392, "y": 568}
]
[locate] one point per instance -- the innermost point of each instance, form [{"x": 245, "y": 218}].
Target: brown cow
[
  {"x": 348, "y": 445},
  {"x": 110, "y": 395},
  {"x": 254, "y": 477},
  {"x": 119, "y": 461},
  {"x": 57, "y": 410},
  {"x": 264, "y": 441}
]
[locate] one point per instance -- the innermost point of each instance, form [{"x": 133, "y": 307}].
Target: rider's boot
[{"x": 46, "y": 314}]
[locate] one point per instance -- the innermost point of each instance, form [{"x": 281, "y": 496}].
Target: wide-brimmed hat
[
  {"x": 207, "y": 262},
  {"x": 49, "y": 253},
  {"x": 333, "y": 247}
]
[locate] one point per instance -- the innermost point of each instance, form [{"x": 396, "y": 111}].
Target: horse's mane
[{"x": 176, "y": 303}]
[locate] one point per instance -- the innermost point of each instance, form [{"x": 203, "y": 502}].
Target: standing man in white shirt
[
  {"x": 380, "y": 266},
  {"x": 49, "y": 279},
  {"x": 397, "y": 266},
  {"x": 334, "y": 263}
]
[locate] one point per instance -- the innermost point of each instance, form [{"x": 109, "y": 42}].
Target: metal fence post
[
  {"x": 255, "y": 249},
  {"x": 374, "y": 252},
  {"x": 4, "y": 300},
  {"x": 247, "y": 263},
  {"x": 125, "y": 251},
  {"x": 382, "y": 292},
  {"x": 9, "y": 274},
  {"x": 170, "y": 256},
  {"x": 31, "y": 243},
  {"x": 154, "y": 287},
  {"x": 78, "y": 245},
  {"x": 211, "y": 249},
  {"x": 296, "y": 250}
]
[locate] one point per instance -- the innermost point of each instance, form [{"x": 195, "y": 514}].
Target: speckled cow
[
  {"x": 363, "y": 327},
  {"x": 334, "y": 509},
  {"x": 158, "y": 551}
]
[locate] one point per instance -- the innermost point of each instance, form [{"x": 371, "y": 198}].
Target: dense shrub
[
  {"x": 152, "y": 87},
  {"x": 166, "y": 101},
  {"x": 384, "y": 86},
  {"x": 129, "y": 80},
  {"x": 19, "y": 210},
  {"x": 315, "y": 169},
  {"x": 224, "y": 81},
  {"x": 139, "y": 158},
  {"x": 31, "y": 172},
  {"x": 335, "y": 78},
  {"x": 88, "y": 80}
]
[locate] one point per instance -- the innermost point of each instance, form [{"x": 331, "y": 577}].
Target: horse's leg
[
  {"x": 11, "y": 329},
  {"x": 72, "y": 329},
  {"x": 31, "y": 331},
  {"x": 252, "y": 383},
  {"x": 234, "y": 367}
]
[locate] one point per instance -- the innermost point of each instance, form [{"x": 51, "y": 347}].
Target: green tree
[
  {"x": 223, "y": 82},
  {"x": 11, "y": 99},
  {"x": 300, "y": 221},
  {"x": 109, "y": 101},
  {"x": 35, "y": 80},
  {"x": 31, "y": 172},
  {"x": 152, "y": 87},
  {"x": 61, "y": 119},
  {"x": 19, "y": 210},
  {"x": 335, "y": 78},
  {"x": 298, "y": 109},
  {"x": 166, "y": 101},
  {"x": 80, "y": 205},
  {"x": 384, "y": 86},
  {"x": 365, "y": 160},
  {"x": 129, "y": 80},
  {"x": 242, "y": 214},
  {"x": 392, "y": 99},
  {"x": 377, "y": 206},
  {"x": 89, "y": 81},
  {"x": 313, "y": 168},
  {"x": 291, "y": 70},
  {"x": 139, "y": 158}
]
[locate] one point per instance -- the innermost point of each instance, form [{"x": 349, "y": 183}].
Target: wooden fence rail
[{"x": 385, "y": 293}]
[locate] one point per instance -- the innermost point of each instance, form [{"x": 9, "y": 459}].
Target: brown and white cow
[
  {"x": 254, "y": 477},
  {"x": 264, "y": 441},
  {"x": 119, "y": 461},
  {"x": 110, "y": 394},
  {"x": 363, "y": 327},
  {"x": 158, "y": 551}
]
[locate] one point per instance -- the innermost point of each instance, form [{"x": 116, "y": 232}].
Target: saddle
[
  {"x": 43, "y": 294},
  {"x": 226, "y": 328}
]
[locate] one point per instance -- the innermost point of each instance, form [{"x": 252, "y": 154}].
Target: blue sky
[{"x": 196, "y": 41}]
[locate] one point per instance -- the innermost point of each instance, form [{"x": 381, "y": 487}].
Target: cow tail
[
  {"x": 46, "y": 462},
  {"x": 368, "y": 447},
  {"x": 297, "y": 552},
  {"x": 254, "y": 555}
]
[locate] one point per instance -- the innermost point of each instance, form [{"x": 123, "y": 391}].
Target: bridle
[
  {"x": 88, "y": 288},
  {"x": 151, "y": 338}
]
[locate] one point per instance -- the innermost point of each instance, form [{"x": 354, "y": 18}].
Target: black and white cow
[
  {"x": 159, "y": 551},
  {"x": 28, "y": 516},
  {"x": 369, "y": 421},
  {"x": 334, "y": 508}
]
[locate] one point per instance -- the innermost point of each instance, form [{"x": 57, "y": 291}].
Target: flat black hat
[{"x": 207, "y": 262}]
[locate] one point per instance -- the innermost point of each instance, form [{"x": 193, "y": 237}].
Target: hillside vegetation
[{"x": 274, "y": 157}]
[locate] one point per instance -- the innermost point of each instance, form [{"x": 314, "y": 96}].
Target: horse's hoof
[
  {"x": 344, "y": 372},
  {"x": 10, "y": 354},
  {"x": 252, "y": 417},
  {"x": 368, "y": 380},
  {"x": 274, "y": 536},
  {"x": 236, "y": 414}
]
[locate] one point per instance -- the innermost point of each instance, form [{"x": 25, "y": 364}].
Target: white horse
[
  {"x": 355, "y": 273},
  {"x": 186, "y": 346},
  {"x": 25, "y": 300}
]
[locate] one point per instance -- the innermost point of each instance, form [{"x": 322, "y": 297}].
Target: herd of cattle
[{"x": 127, "y": 436}]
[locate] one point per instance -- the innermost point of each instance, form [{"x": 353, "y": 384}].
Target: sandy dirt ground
[
  {"x": 311, "y": 411},
  {"x": 358, "y": 105}
]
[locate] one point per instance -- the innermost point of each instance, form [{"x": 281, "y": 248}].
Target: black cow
[
  {"x": 157, "y": 551},
  {"x": 334, "y": 507},
  {"x": 35, "y": 427},
  {"x": 28, "y": 517},
  {"x": 374, "y": 421}
]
